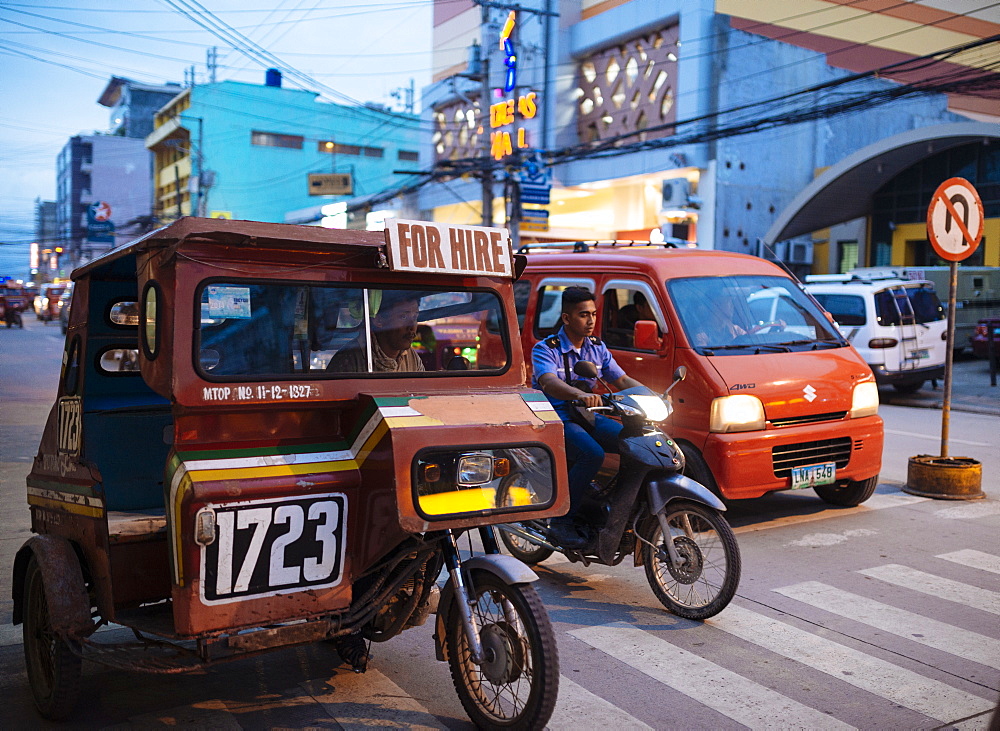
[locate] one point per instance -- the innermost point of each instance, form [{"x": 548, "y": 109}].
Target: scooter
[
  {"x": 668, "y": 523},
  {"x": 12, "y": 316}
]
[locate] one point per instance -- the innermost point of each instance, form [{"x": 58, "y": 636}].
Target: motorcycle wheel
[
  {"x": 516, "y": 685},
  {"x": 707, "y": 581},
  {"x": 53, "y": 669},
  {"x": 524, "y": 550}
]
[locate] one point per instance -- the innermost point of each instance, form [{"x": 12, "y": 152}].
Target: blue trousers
[{"x": 585, "y": 453}]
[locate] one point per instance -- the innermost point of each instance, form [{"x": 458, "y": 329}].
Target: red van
[{"x": 775, "y": 397}]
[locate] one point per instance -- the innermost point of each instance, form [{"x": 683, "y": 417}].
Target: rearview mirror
[
  {"x": 646, "y": 335},
  {"x": 585, "y": 369}
]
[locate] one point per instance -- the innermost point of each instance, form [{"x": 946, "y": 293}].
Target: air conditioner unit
[
  {"x": 675, "y": 193},
  {"x": 800, "y": 252},
  {"x": 773, "y": 252}
]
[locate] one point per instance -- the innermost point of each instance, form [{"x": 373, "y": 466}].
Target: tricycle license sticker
[
  {"x": 814, "y": 474},
  {"x": 268, "y": 547},
  {"x": 229, "y": 302}
]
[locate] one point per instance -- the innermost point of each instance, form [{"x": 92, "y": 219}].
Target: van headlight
[
  {"x": 737, "y": 412},
  {"x": 864, "y": 401}
]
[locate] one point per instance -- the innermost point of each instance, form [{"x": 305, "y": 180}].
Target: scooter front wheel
[
  {"x": 705, "y": 581},
  {"x": 515, "y": 685}
]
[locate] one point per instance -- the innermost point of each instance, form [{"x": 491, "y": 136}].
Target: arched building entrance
[{"x": 885, "y": 189}]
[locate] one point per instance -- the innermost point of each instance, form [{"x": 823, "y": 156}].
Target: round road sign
[{"x": 955, "y": 219}]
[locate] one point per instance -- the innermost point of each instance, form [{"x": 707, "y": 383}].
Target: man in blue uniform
[{"x": 552, "y": 362}]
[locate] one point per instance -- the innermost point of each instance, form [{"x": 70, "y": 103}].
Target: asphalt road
[{"x": 884, "y": 615}]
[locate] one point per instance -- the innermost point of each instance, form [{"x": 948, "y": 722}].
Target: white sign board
[{"x": 422, "y": 246}]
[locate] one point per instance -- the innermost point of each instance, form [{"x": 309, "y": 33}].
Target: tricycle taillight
[{"x": 204, "y": 527}]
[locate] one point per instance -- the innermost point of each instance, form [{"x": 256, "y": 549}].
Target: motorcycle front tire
[
  {"x": 707, "y": 580},
  {"x": 517, "y": 684}
]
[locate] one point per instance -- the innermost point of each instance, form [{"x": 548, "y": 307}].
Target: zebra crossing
[
  {"x": 755, "y": 705},
  {"x": 736, "y": 693}
]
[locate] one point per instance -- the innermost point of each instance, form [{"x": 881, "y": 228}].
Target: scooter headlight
[{"x": 655, "y": 408}]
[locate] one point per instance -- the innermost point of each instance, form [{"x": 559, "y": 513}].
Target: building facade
[
  {"x": 133, "y": 105},
  {"x": 248, "y": 151},
  {"x": 102, "y": 194},
  {"x": 708, "y": 121}
]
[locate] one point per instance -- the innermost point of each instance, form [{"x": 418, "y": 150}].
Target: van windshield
[
  {"x": 740, "y": 315},
  {"x": 276, "y": 331}
]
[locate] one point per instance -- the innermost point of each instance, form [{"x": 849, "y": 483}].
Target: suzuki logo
[{"x": 810, "y": 393}]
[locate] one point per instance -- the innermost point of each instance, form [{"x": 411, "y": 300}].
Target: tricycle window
[{"x": 276, "y": 330}]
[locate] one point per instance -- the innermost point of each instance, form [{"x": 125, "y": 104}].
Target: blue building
[{"x": 247, "y": 151}]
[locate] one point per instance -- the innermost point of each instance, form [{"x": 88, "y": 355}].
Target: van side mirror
[{"x": 646, "y": 335}]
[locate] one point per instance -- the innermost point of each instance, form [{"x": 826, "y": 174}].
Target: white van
[{"x": 897, "y": 325}]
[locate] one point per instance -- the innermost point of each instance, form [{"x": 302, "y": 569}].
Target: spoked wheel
[
  {"x": 707, "y": 578},
  {"x": 524, "y": 550},
  {"x": 516, "y": 685},
  {"x": 53, "y": 668}
]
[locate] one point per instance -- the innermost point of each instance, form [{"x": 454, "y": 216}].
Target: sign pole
[
  {"x": 949, "y": 356},
  {"x": 954, "y": 228}
]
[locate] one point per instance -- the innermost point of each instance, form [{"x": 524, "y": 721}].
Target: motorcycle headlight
[
  {"x": 737, "y": 412},
  {"x": 474, "y": 469},
  {"x": 497, "y": 479},
  {"x": 864, "y": 400},
  {"x": 655, "y": 408}
]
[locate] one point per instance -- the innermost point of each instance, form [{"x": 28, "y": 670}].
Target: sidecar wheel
[
  {"x": 524, "y": 551},
  {"x": 706, "y": 582},
  {"x": 53, "y": 669},
  {"x": 516, "y": 685}
]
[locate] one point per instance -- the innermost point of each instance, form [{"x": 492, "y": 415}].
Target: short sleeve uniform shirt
[{"x": 557, "y": 355}]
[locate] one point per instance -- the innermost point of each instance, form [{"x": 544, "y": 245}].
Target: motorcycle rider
[{"x": 552, "y": 361}]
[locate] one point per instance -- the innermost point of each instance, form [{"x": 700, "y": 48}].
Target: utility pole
[
  {"x": 484, "y": 111},
  {"x": 211, "y": 61}
]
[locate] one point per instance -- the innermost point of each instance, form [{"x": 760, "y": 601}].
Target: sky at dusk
[{"x": 58, "y": 55}]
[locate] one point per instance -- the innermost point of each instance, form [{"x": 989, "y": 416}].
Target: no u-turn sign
[{"x": 955, "y": 219}]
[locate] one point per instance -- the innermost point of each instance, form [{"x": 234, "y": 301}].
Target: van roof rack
[
  {"x": 856, "y": 277},
  {"x": 584, "y": 246}
]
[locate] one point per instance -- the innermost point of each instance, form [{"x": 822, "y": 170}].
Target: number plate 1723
[
  {"x": 268, "y": 547},
  {"x": 814, "y": 474}
]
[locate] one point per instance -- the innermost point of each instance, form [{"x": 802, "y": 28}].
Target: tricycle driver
[
  {"x": 394, "y": 327},
  {"x": 552, "y": 362}
]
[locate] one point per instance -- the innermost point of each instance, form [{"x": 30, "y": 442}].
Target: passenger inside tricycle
[{"x": 252, "y": 457}]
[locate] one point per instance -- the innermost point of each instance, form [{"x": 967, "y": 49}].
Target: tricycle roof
[{"x": 188, "y": 235}]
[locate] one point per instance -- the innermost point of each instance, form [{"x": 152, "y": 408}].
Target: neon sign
[
  {"x": 510, "y": 58},
  {"x": 507, "y": 112}
]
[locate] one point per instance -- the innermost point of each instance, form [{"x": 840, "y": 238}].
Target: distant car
[
  {"x": 64, "y": 301},
  {"x": 897, "y": 325},
  {"x": 979, "y": 340}
]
